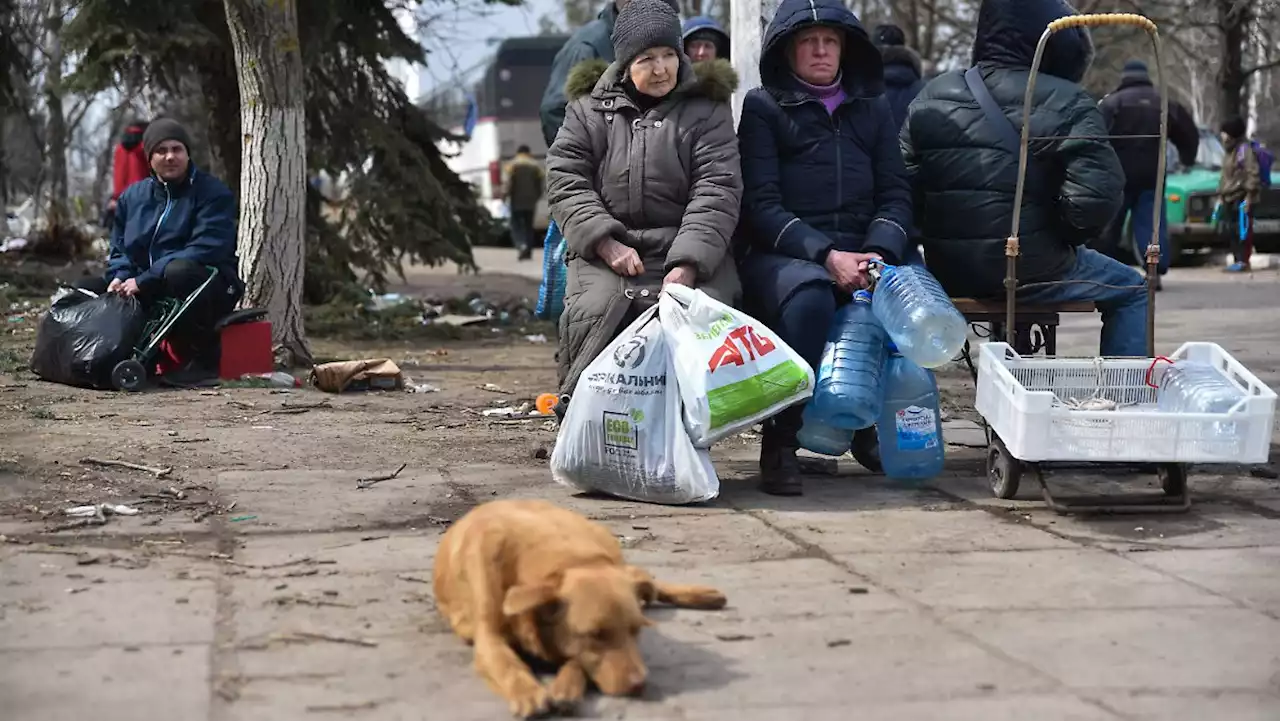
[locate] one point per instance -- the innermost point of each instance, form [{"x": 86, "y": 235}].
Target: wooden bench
[{"x": 1035, "y": 326}]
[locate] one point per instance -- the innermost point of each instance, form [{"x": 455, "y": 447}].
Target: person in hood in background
[
  {"x": 644, "y": 179},
  {"x": 1239, "y": 188},
  {"x": 524, "y": 190},
  {"x": 129, "y": 163},
  {"x": 704, "y": 39},
  {"x": 825, "y": 191},
  {"x": 589, "y": 42},
  {"x": 1134, "y": 109},
  {"x": 964, "y": 168},
  {"x": 903, "y": 70},
  {"x": 169, "y": 231}
]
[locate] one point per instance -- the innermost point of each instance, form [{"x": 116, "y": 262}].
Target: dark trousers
[
  {"x": 1139, "y": 207},
  {"x": 802, "y": 322},
  {"x": 193, "y": 335},
  {"x": 522, "y": 231},
  {"x": 1240, "y": 239}
]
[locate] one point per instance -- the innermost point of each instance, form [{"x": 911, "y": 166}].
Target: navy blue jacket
[
  {"x": 903, "y": 81},
  {"x": 158, "y": 222},
  {"x": 814, "y": 182}
]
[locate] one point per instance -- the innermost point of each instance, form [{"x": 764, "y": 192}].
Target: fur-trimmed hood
[
  {"x": 712, "y": 79},
  {"x": 902, "y": 56}
]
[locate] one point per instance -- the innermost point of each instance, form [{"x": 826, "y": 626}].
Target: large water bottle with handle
[
  {"x": 1193, "y": 387},
  {"x": 918, "y": 314},
  {"x": 847, "y": 392},
  {"x": 817, "y": 436},
  {"x": 910, "y": 424}
]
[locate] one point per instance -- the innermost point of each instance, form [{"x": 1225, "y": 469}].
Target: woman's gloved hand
[{"x": 623, "y": 259}]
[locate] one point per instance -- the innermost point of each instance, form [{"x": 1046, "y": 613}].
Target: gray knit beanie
[
  {"x": 164, "y": 129},
  {"x": 644, "y": 24}
]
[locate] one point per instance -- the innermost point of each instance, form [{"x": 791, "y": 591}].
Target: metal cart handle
[{"x": 1153, "y": 247}]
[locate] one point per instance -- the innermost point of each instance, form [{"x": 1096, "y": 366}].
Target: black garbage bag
[{"x": 83, "y": 337}]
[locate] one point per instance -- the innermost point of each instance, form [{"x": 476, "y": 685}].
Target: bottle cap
[
  {"x": 862, "y": 296},
  {"x": 893, "y": 347}
]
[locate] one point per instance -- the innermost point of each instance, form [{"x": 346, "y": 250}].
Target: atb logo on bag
[
  {"x": 630, "y": 354},
  {"x": 753, "y": 344}
]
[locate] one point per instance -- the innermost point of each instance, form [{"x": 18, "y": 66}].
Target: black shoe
[
  {"x": 526, "y": 254},
  {"x": 779, "y": 467}
]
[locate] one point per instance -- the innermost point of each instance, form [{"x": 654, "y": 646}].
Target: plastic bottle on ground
[
  {"x": 910, "y": 423},
  {"x": 918, "y": 315},
  {"x": 821, "y": 438},
  {"x": 847, "y": 392}
]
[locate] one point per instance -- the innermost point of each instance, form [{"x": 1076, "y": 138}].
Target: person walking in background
[
  {"x": 705, "y": 39},
  {"x": 524, "y": 190},
  {"x": 903, "y": 70},
  {"x": 1133, "y": 108},
  {"x": 128, "y": 166},
  {"x": 1238, "y": 191}
]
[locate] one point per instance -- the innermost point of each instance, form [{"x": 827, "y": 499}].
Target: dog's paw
[
  {"x": 567, "y": 689},
  {"x": 530, "y": 701}
]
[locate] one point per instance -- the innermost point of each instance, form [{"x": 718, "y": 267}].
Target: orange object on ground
[
  {"x": 546, "y": 402},
  {"x": 246, "y": 349}
]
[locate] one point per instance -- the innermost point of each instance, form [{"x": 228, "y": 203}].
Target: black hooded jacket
[
  {"x": 902, "y": 78},
  {"x": 964, "y": 179},
  {"x": 1134, "y": 109}
]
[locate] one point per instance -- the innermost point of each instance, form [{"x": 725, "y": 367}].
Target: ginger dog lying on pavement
[{"x": 529, "y": 575}]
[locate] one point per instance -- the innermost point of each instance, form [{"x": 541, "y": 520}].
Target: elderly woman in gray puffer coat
[{"x": 644, "y": 180}]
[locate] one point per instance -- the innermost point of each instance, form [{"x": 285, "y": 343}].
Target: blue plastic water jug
[
  {"x": 847, "y": 393},
  {"x": 918, "y": 315},
  {"x": 821, "y": 438},
  {"x": 910, "y": 423}
]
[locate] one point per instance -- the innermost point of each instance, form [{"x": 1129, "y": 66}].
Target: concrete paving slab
[
  {"x": 1071, "y": 579},
  {"x": 358, "y": 552},
  {"x": 307, "y": 500},
  {"x": 696, "y": 540},
  {"x": 1178, "y": 648},
  {"x": 1215, "y": 706},
  {"x": 61, "y": 613},
  {"x": 909, "y": 530},
  {"x": 1247, "y": 575},
  {"x": 148, "y": 683},
  {"x": 994, "y": 707}
]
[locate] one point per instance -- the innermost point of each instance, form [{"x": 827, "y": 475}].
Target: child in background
[{"x": 1238, "y": 191}]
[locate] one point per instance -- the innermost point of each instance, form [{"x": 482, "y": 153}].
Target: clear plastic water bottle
[
  {"x": 847, "y": 392},
  {"x": 1192, "y": 387},
  {"x": 821, "y": 438},
  {"x": 918, "y": 315},
  {"x": 910, "y": 424}
]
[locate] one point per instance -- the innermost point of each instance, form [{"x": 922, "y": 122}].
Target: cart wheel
[
  {"x": 128, "y": 375},
  {"x": 866, "y": 449},
  {"x": 1173, "y": 478},
  {"x": 1004, "y": 472}
]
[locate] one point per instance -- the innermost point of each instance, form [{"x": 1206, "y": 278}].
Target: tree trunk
[
  {"x": 56, "y": 130},
  {"x": 273, "y": 178},
  {"x": 1233, "y": 19}
]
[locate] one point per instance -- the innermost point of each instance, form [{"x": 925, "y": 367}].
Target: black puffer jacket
[{"x": 964, "y": 179}]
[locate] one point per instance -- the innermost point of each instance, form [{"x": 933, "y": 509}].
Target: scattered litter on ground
[
  {"x": 157, "y": 472},
  {"x": 837, "y": 642},
  {"x": 305, "y": 637},
  {"x": 412, "y": 579},
  {"x": 858, "y": 590},
  {"x": 239, "y": 519},
  {"x": 378, "y": 374},
  {"x": 307, "y": 601},
  {"x": 734, "y": 637},
  {"x": 344, "y": 707},
  {"x": 420, "y": 387},
  {"x": 363, "y": 483},
  {"x": 493, "y": 388},
  {"x": 287, "y": 408},
  {"x": 537, "y": 338}
]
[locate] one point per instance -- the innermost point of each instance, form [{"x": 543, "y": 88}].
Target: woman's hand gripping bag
[
  {"x": 623, "y": 435},
  {"x": 733, "y": 372}
]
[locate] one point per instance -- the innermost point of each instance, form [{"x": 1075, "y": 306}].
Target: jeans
[
  {"x": 1124, "y": 311},
  {"x": 1138, "y": 209},
  {"x": 522, "y": 231}
]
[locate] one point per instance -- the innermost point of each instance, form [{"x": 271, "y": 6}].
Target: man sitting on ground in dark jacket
[
  {"x": 169, "y": 231},
  {"x": 1134, "y": 109},
  {"x": 964, "y": 168}
]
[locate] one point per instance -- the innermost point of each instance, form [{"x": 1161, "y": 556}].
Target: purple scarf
[{"x": 830, "y": 95}]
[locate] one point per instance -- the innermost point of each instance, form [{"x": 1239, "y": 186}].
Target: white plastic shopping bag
[
  {"x": 733, "y": 371},
  {"x": 623, "y": 434}
]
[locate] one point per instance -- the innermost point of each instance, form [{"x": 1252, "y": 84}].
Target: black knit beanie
[
  {"x": 164, "y": 129},
  {"x": 645, "y": 24}
]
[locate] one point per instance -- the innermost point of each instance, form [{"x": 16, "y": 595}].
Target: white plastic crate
[{"x": 1022, "y": 399}]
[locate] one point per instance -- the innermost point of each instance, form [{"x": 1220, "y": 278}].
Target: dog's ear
[
  {"x": 646, "y": 589},
  {"x": 522, "y": 599}
]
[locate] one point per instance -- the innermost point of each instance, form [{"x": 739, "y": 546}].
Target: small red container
[{"x": 246, "y": 348}]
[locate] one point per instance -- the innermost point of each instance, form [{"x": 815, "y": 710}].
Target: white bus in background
[{"x": 498, "y": 116}]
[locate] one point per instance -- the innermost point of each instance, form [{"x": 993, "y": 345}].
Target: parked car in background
[
  {"x": 498, "y": 115},
  {"x": 1190, "y": 195}
]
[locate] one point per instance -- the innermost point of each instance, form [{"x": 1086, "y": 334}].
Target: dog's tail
[{"x": 681, "y": 596}]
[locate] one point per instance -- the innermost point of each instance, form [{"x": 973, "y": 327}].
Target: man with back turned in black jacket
[{"x": 1134, "y": 109}]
